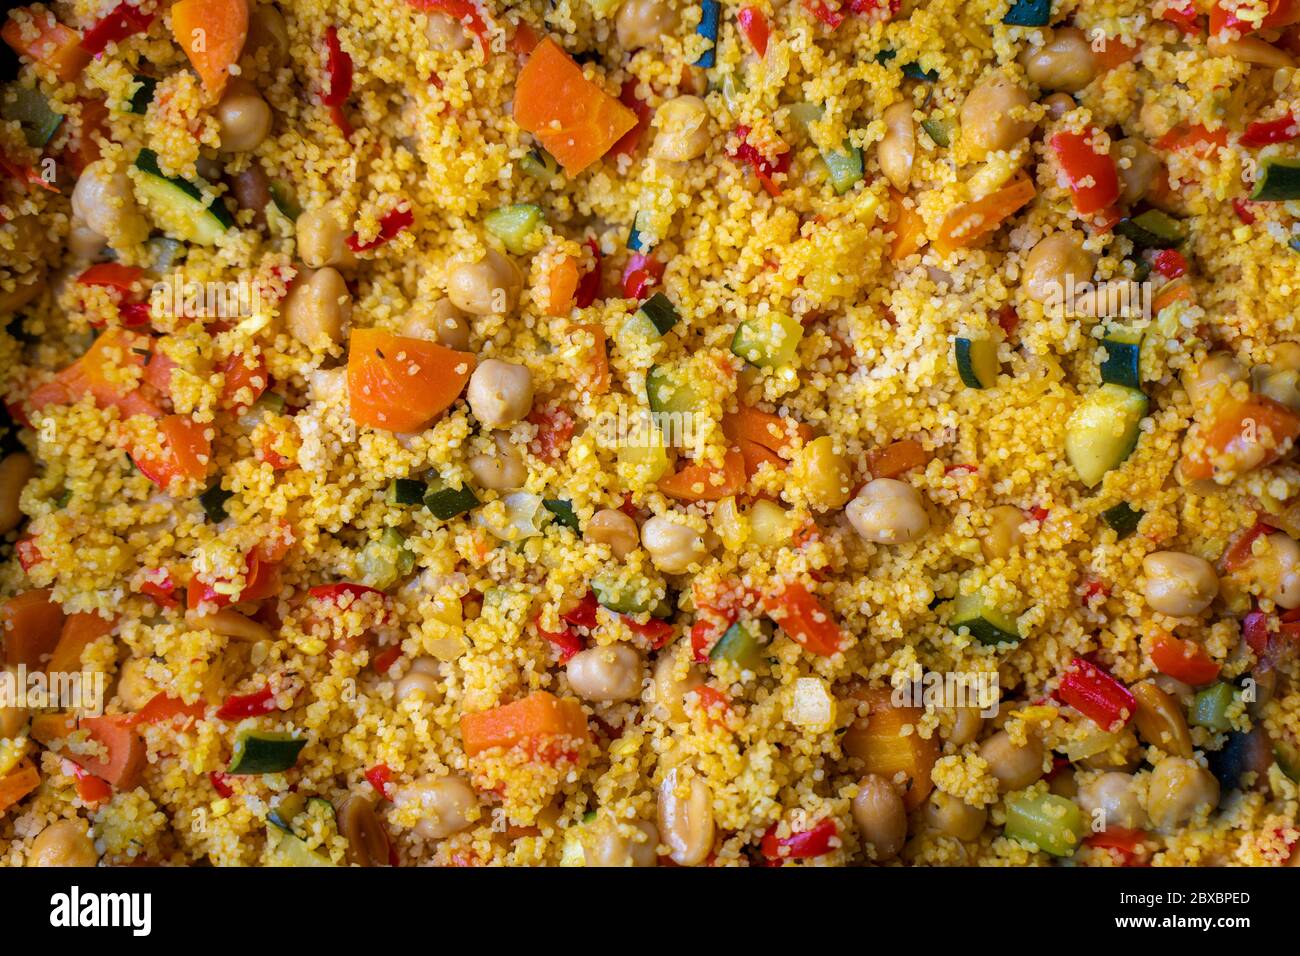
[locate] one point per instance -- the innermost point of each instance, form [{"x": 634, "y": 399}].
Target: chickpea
[
  {"x": 424, "y": 677},
  {"x": 1003, "y": 534},
  {"x": 83, "y": 242},
  {"x": 954, "y": 818},
  {"x": 500, "y": 393},
  {"x": 612, "y": 843},
  {"x": 1179, "y": 584},
  {"x": 1015, "y": 766},
  {"x": 229, "y": 623},
  {"x": 360, "y": 826},
  {"x": 1057, "y": 262},
  {"x": 1058, "y": 104},
  {"x": 880, "y": 815},
  {"x": 888, "y": 511},
  {"x": 1065, "y": 62},
  {"x": 1250, "y": 50},
  {"x": 267, "y": 43},
  {"x": 318, "y": 308},
  {"x": 686, "y": 818},
  {"x": 823, "y": 473},
  {"x": 253, "y": 192},
  {"x": 1278, "y": 570},
  {"x": 1283, "y": 387},
  {"x": 1159, "y": 719},
  {"x": 672, "y": 547},
  {"x": 503, "y": 470},
  {"x": 1137, "y": 170},
  {"x": 104, "y": 200},
  {"x": 322, "y": 237},
  {"x": 134, "y": 686},
  {"x": 642, "y": 22},
  {"x": 683, "y": 125},
  {"x": 967, "y": 722},
  {"x": 606, "y": 674},
  {"x": 1178, "y": 790},
  {"x": 670, "y": 691},
  {"x": 63, "y": 843},
  {"x": 15, "y": 471},
  {"x": 897, "y": 150},
  {"x": 488, "y": 286},
  {"x": 445, "y": 32},
  {"x": 993, "y": 116},
  {"x": 1115, "y": 795},
  {"x": 244, "y": 116},
  {"x": 1216, "y": 368},
  {"x": 613, "y": 528},
  {"x": 447, "y": 804},
  {"x": 442, "y": 323}
]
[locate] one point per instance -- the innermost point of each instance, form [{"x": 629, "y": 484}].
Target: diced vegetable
[
  {"x": 984, "y": 622},
  {"x": 30, "y": 623},
  {"x": 28, "y": 107},
  {"x": 661, "y": 312},
  {"x": 1103, "y": 431},
  {"x": 1122, "y": 519},
  {"x": 968, "y": 224},
  {"x": 564, "y": 514},
  {"x": 977, "y": 362},
  {"x": 634, "y": 596},
  {"x": 753, "y": 24},
  {"x": 288, "y": 849},
  {"x": 385, "y": 560},
  {"x": 1097, "y": 694},
  {"x": 844, "y": 167},
  {"x": 539, "y": 721},
  {"x": 707, "y": 482},
  {"x": 178, "y": 204},
  {"x": 401, "y": 384},
  {"x": 540, "y": 164},
  {"x": 1152, "y": 229},
  {"x": 897, "y": 457},
  {"x": 571, "y": 116},
  {"x": 1210, "y": 707},
  {"x": 1279, "y": 179},
  {"x": 18, "y": 783},
  {"x": 447, "y": 502},
  {"x": 406, "y": 491},
  {"x": 79, "y": 632},
  {"x": 797, "y": 612},
  {"x": 1051, "y": 823},
  {"x": 1123, "y": 362},
  {"x": 143, "y": 95},
  {"x": 123, "y": 750},
  {"x": 55, "y": 47},
  {"x": 184, "y": 455},
  {"x": 669, "y": 389},
  {"x": 768, "y": 341},
  {"x": 1267, "y": 132},
  {"x": 212, "y": 34},
  {"x": 123, "y": 21},
  {"x": 937, "y": 130},
  {"x": 264, "y": 751},
  {"x": 1237, "y": 433},
  {"x": 708, "y": 28},
  {"x": 214, "y": 501},
  {"x": 1093, "y": 176},
  {"x": 1249, "y": 752},
  {"x": 889, "y": 744},
  {"x": 801, "y": 845},
  {"x": 1184, "y": 660},
  {"x": 1029, "y": 13},
  {"x": 514, "y": 224},
  {"x": 742, "y": 643}
]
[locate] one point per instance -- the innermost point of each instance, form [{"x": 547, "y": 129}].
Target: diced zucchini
[
  {"x": 768, "y": 341},
  {"x": 1279, "y": 179},
  {"x": 178, "y": 204},
  {"x": 668, "y": 389},
  {"x": 406, "y": 491},
  {"x": 385, "y": 560},
  {"x": 987, "y": 624},
  {"x": 540, "y": 164},
  {"x": 214, "y": 501},
  {"x": 708, "y": 28},
  {"x": 284, "y": 200},
  {"x": 844, "y": 167},
  {"x": 1288, "y": 759},
  {"x": 635, "y": 241},
  {"x": 564, "y": 514},
  {"x": 661, "y": 312},
  {"x": 643, "y": 453},
  {"x": 286, "y": 809},
  {"x": 287, "y": 849},
  {"x": 743, "y": 643},
  {"x": 1210, "y": 707},
  {"x": 447, "y": 502},
  {"x": 977, "y": 362},
  {"x": 914, "y": 71},
  {"x": 1103, "y": 431},
  {"x": 1050, "y": 822},
  {"x": 143, "y": 95},
  {"x": 271, "y": 401},
  {"x": 264, "y": 751},
  {"x": 1122, "y": 519},
  {"x": 1152, "y": 229},
  {"x": 937, "y": 130},
  {"x": 633, "y": 596},
  {"x": 1123, "y": 363},
  {"x": 28, "y": 107},
  {"x": 514, "y": 224},
  {"x": 1029, "y": 13}
]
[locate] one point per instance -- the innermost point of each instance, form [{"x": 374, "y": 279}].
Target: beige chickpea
[
  {"x": 104, "y": 200},
  {"x": 1215, "y": 369},
  {"x": 244, "y": 117},
  {"x": 1115, "y": 796},
  {"x": 1138, "y": 168},
  {"x": 1014, "y": 766},
  {"x": 1278, "y": 570},
  {"x": 266, "y": 46},
  {"x": 888, "y": 511},
  {"x": 953, "y": 817},
  {"x": 670, "y": 691},
  {"x": 993, "y": 116},
  {"x": 1058, "y": 104},
  {"x": 613, "y": 528},
  {"x": 683, "y": 129},
  {"x": 229, "y": 623},
  {"x": 1160, "y": 719},
  {"x": 322, "y": 237},
  {"x": 1003, "y": 534},
  {"x": 501, "y": 470},
  {"x": 967, "y": 722},
  {"x": 897, "y": 149},
  {"x": 425, "y": 677},
  {"x": 442, "y": 323},
  {"x": 486, "y": 286},
  {"x": 823, "y": 473},
  {"x": 1250, "y": 50},
  {"x": 63, "y": 843},
  {"x": 673, "y": 547},
  {"x": 15, "y": 471},
  {"x": 606, "y": 674},
  {"x": 1057, "y": 262},
  {"x": 500, "y": 393},
  {"x": 1179, "y": 789},
  {"x": 686, "y": 821},
  {"x": 1179, "y": 584},
  {"x": 880, "y": 816},
  {"x": 134, "y": 686},
  {"x": 1064, "y": 62},
  {"x": 642, "y": 22},
  {"x": 612, "y": 843},
  {"x": 1282, "y": 387},
  {"x": 318, "y": 308},
  {"x": 446, "y": 804},
  {"x": 445, "y": 32}
]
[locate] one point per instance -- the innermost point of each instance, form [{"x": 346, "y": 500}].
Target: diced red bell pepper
[
  {"x": 1223, "y": 17},
  {"x": 755, "y": 28},
  {"x": 111, "y": 274},
  {"x": 237, "y": 706},
  {"x": 162, "y": 707},
  {"x": 1267, "y": 132},
  {"x": 386, "y": 658},
  {"x": 567, "y": 641},
  {"x": 764, "y": 168},
  {"x": 643, "y": 272},
  {"x": 336, "y": 592},
  {"x": 134, "y": 315},
  {"x": 1183, "y": 660},
  {"x": 1243, "y": 210},
  {"x": 162, "y": 589},
  {"x": 1092, "y": 176},
  {"x": 338, "y": 72},
  {"x": 28, "y": 554},
  {"x": 122, "y": 21},
  {"x": 555, "y": 427},
  {"x": 393, "y": 222},
  {"x": 380, "y": 777},
  {"x": 1170, "y": 263},
  {"x": 1184, "y": 16},
  {"x": 220, "y": 784},
  {"x": 1126, "y": 843},
  {"x": 655, "y": 631},
  {"x": 1240, "y": 550},
  {"x": 464, "y": 11},
  {"x": 1097, "y": 694},
  {"x": 803, "y": 845},
  {"x": 797, "y": 612},
  {"x": 582, "y": 614},
  {"x": 588, "y": 290},
  {"x": 629, "y": 141},
  {"x": 823, "y": 12},
  {"x": 90, "y": 789},
  {"x": 1200, "y": 138}
]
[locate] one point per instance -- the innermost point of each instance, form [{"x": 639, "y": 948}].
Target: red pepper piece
[
  {"x": 799, "y": 846},
  {"x": 1266, "y": 132},
  {"x": 393, "y": 222},
  {"x": 122, "y": 21},
  {"x": 237, "y": 707},
  {"x": 1097, "y": 694}
]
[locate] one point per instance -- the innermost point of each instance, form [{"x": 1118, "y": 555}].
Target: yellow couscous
[{"x": 605, "y": 433}]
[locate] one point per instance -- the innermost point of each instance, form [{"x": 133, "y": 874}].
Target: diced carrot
[
  {"x": 185, "y": 454},
  {"x": 561, "y": 284},
  {"x": 244, "y": 381},
  {"x": 1115, "y": 53},
  {"x": 539, "y": 715},
  {"x": 755, "y": 456},
  {"x": 124, "y": 747},
  {"x": 798, "y": 612},
  {"x": 32, "y": 625},
  {"x": 54, "y": 46},
  {"x": 909, "y": 229},
  {"x": 1198, "y": 138},
  {"x": 48, "y": 729},
  {"x": 896, "y": 457},
  {"x": 763, "y": 428},
  {"x": 597, "y": 380},
  {"x": 212, "y": 34},
  {"x": 573, "y": 118},
  {"x": 97, "y": 373},
  {"x": 1170, "y": 293},
  {"x": 707, "y": 482},
  {"x": 402, "y": 384},
  {"x": 879, "y": 742},
  {"x": 18, "y": 783},
  {"x": 1184, "y": 660},
  {"x": 162, "y": 707},
  {"x": 79, "y": 632},
  {"x": 1238, "y": 432},
  {"x": 968, "y": 224},
  {"x": 85, "y": 150}
]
